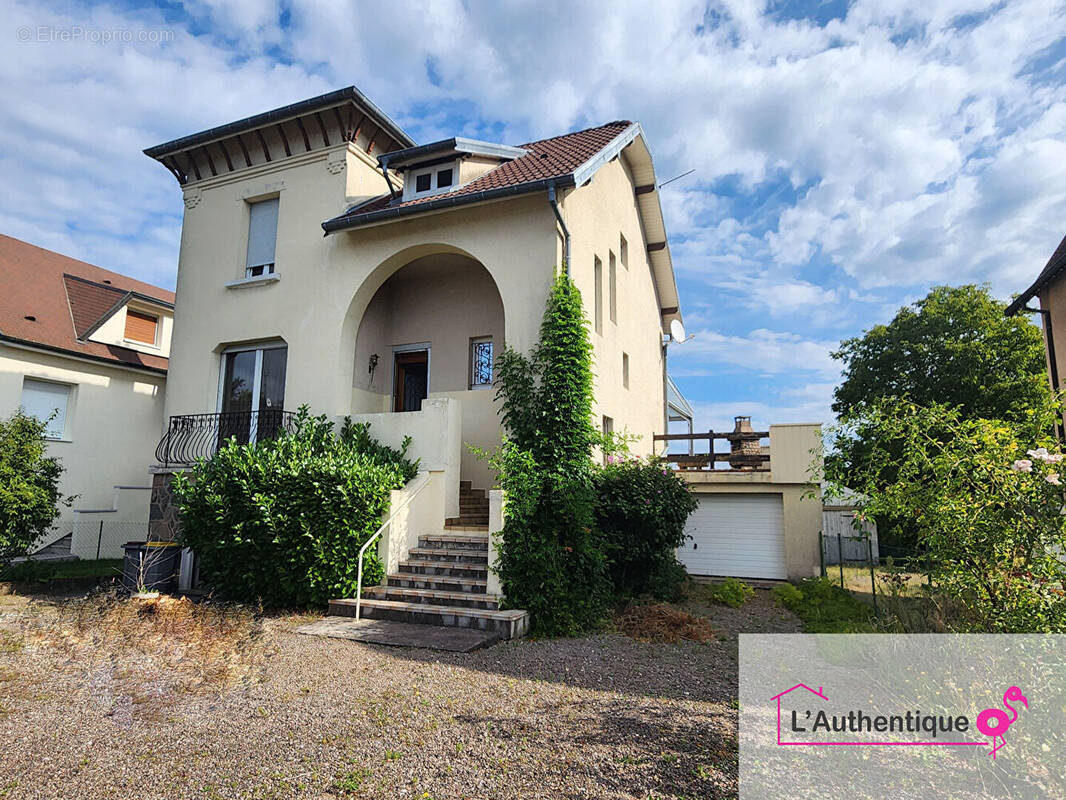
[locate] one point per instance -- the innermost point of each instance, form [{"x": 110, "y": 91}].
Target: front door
[{"x": 412, "y": 380}]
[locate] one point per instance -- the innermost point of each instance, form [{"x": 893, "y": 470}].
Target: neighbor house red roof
[
  {"x": 49, "y": 300},
  {"x": 556, "y": 157}
]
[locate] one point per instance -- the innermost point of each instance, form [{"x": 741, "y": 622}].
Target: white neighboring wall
[{"x": 112, "y": 424}]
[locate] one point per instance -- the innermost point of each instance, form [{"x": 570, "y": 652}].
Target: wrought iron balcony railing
[{"x": 190, "y": 437}]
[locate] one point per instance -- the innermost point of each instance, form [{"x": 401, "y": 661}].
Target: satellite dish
[{"x": 677, "y": 330}]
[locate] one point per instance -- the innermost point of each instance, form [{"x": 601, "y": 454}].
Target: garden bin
[{"x": 152, "y": 566}]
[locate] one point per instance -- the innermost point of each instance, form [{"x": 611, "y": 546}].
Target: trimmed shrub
[
  {"x": 29, "y": 485},
  {"x": 641, "y": 510},
  {"x": 281, "y": 521}
]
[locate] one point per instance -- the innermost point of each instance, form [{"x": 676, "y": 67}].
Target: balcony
[{"x": 191, "y": 437}]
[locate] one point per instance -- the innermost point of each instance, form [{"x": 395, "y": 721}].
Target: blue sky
[{"x": 846, "y": 156}]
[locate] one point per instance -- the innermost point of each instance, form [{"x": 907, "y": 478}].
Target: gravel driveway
[{"x": 268, "y": 713}]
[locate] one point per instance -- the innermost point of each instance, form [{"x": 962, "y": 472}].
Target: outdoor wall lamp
[{"x": 373, "y": 366}]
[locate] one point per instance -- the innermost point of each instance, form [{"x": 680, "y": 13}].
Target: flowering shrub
[
  {"x": 986, "y": 500},
  {"x": 282, "y": 521},
  {"x": 641, "y": 508}
]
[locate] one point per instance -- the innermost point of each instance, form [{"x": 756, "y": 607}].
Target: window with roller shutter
[{"x": 141, "y": 327}]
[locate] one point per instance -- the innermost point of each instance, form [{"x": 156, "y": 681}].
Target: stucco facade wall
[
  {"x": 598, "y": 215},
  {"x": 114, "y": 418},
  {"x": 325, "y": 284},
  {"x": 1053, "y": 299}
]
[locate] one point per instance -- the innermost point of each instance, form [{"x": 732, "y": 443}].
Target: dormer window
[{"x": 428, "y": 181}]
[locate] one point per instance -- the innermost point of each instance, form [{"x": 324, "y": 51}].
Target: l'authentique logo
[{"x": 817, "y": 726}]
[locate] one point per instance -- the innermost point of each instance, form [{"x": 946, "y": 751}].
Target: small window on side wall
[
  {"x": 47, "y": 402},
  {"x": 262, "y": 238},
  {"x": 623, "y": 251},
  {"x": 625, "y": 370},
  {"x": 481, "y": 357}
]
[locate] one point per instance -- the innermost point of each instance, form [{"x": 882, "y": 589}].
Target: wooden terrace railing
[{"x": 706, "y": 461}]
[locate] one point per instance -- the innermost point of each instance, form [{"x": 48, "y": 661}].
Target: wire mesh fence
[{"x": 90, "y": 538}]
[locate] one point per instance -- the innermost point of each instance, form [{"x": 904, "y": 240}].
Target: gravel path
[{"x": 291, "y": 716}]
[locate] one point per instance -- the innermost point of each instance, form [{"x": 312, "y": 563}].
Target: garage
[{"x": 738, "y": 535}]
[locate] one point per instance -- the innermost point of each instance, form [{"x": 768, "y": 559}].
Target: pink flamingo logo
[{"x": 994, "y": 722}]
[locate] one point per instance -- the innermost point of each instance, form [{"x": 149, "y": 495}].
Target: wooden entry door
[{"x": 412, "y": 380}]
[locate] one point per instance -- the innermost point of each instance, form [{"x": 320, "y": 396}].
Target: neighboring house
[
  {"x": 1049, "y": 289},
  {"x": 434, "y": 258},
  {"x": 88, "y": 348}
]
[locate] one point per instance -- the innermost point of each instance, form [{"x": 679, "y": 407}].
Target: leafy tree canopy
[{"x": 955, "y": 348}]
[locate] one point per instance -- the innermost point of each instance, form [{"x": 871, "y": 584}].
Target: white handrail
[{"x": 372, "y": 539}]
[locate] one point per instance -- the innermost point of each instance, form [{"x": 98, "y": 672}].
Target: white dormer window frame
[{"x": 431, "y": 179}]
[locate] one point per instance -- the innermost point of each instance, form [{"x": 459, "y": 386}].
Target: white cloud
[{"x": 761, "y": 352}]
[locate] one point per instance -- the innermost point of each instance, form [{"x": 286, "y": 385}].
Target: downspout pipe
[
  {"x": 384, "y": 163},
  {"x": 566, "y": 231}
]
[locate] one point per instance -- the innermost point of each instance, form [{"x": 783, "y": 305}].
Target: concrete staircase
[{"x": 444, "y": 580}]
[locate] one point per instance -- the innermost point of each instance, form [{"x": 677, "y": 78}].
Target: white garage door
[{"x": 739, "y": 535}]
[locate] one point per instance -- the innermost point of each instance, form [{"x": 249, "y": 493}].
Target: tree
[
  {"x": 29, "y": 485},
  {"x": 955, "y": 347}
]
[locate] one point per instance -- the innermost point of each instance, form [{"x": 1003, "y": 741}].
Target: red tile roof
[
  {"x": 551, "y": 158},
  {"x": 1055, "y": 265},
  {"x": 65, "y": 297}
]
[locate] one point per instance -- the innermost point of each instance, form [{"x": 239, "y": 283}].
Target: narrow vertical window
[
  {"x": 625, "y": 370},
  {"x": 623, "y": 251},
  {"x": 481, "y": 362},
  {"x": 598, "y": 290},
  {"x": 612, "y": 287},
  {"x": 262, "y": 238}
]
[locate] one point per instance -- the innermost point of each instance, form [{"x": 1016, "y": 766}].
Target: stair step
[
  {"x": 419, "y": 566},
  {"x": 509, "y": 624},
  {"x": 449, "y": 555},
  {"x": 450, "y": 525},
  {"x": 437, "y": 583},
  {"x": 435, "y": 597},
  {"x": 455, "y": 541}
]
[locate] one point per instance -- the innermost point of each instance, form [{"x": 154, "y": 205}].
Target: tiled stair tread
[
  {"x": 436, "y": 594},
  {"x": 431, "y": 562},
  {"x": 418, "y": 577},
  {"x": 426, "y": 608},
  {"x": 444, "y": 553},
  {"x": 466, "y": 527},
  {"x": 466, "y": 538}
]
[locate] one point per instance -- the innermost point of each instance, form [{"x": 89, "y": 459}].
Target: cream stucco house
[
  {"x": 88, "y": 348},
  {"x": 328, "y": 260}
]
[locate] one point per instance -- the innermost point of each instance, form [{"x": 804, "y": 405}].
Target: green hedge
[{"x": 282, "y": 521}]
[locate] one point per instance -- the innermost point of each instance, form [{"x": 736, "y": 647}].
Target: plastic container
[{"x": 151, "y": 566}]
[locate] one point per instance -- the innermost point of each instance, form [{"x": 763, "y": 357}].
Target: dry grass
[
  {"x": 154, "y": 649},
  {"x": 661, "y": 622}
]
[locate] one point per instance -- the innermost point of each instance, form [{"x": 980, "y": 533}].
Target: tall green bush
[
  {"x": 641, "y": 508},
  {"x": 29, "y": 485},
  {"x": 281, "y": 521},
  {"x": 551, "y": 560}
]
